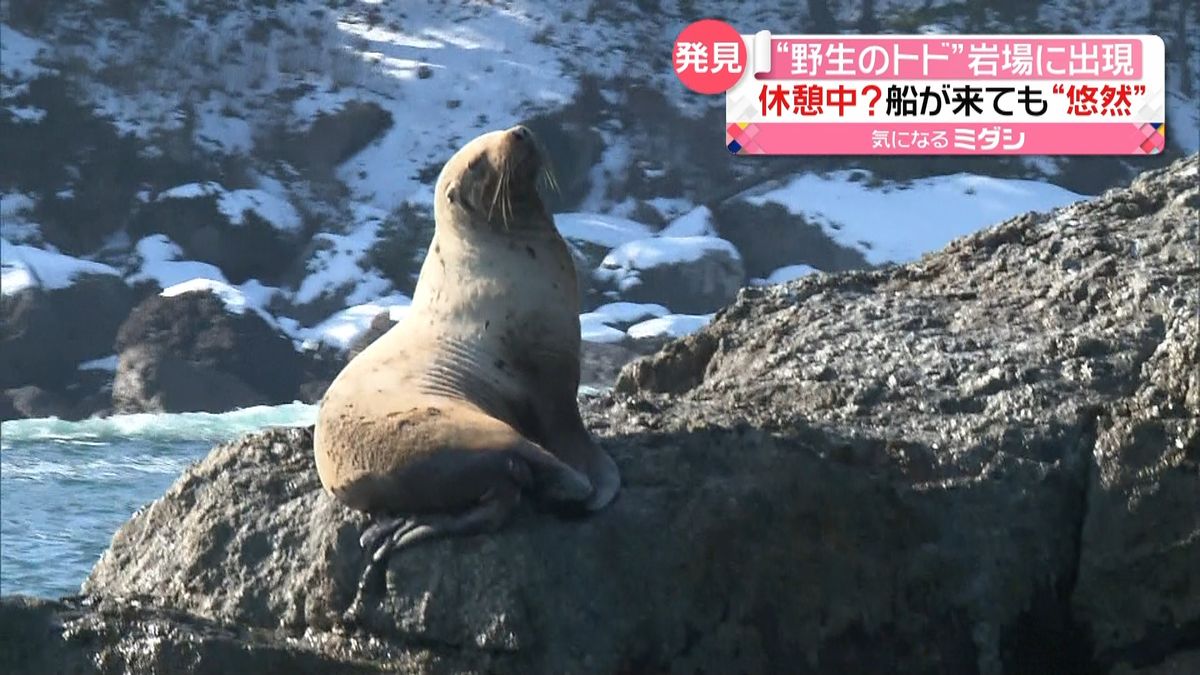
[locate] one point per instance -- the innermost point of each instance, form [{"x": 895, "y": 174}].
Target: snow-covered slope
[
  {"x": 28, "y": 266},
  {"x": 900, "y": 222}
]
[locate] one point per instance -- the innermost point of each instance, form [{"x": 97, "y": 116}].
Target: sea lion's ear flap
[{"x": 452, "y": 193}]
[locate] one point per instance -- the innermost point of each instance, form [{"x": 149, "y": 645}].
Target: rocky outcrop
[
  {"x": 691, "y": 275},
  {"x": 1137, "y": 581},
  {"x": 128, "y": 637},
  {"x": 600, "y": 362},
  {"x": 381, "y": 324},
  {"x": 769, "y": 237},
  {"x": 232, "y": 229},
  {"x": 983, "y": 462},
  {"x": 191, "y": 353},
  {"x": 46, "y": 333}
]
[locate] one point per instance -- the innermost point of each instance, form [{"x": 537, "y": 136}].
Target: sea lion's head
[{"x": 493, "y": 180}]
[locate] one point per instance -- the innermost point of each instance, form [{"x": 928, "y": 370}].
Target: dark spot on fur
[
  {"x": 556, "y": 285},
  {"x": 433, "y": 412},
  {"x": 487, "y": 324},
  {"x": 531, "y": 252},
  {"x": 437, "y": 248},
  {"x": 501, "y": 364}
]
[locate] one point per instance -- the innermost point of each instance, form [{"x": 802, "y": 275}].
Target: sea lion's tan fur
[{"x": 474, "y": 391}]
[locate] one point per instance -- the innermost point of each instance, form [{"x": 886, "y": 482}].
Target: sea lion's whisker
[
  {"x": 508, "y": 201},
  {"x": 495, "y": 195},
  {"x": 551, "y": 175},
  {"x": 506, "y": 186}
]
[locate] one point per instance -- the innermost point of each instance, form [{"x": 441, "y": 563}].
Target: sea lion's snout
[{"x": 523, "y": 147}]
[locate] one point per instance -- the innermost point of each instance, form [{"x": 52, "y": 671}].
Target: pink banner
[
  {"x": 953, "y": 57},
  {"x": 866, "y": 138}
]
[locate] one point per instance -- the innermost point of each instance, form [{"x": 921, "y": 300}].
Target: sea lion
[{"x": 440, "y": 425}]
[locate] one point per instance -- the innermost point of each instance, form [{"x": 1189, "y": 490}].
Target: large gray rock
[
  {"x": 102, "y": 636},
  {"x": 244, "y": 244},
  {"x": 190, "y": 353},
  {"x": 1137, "y": 587},
  {"x": 46, "y": 333},
  {"x": 769, "y": 237},
  {"x": 985, "y": 461},
  {"x": 690, "y": 275}
]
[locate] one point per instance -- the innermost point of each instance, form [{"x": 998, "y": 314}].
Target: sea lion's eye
[{"x": 455, "y": 196}]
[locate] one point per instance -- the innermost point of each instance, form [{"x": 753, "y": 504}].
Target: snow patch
[
  {"x": 232, "y": 297},
  {"x": 236, "y": 299},
  {"x": 613, "y": 164},
  {"x": 18, "y": 55},
  {"x": 191, "y": 191},
  {"x": 786, "y": 274},
  {"x": 340, "y": 330},
  {"x": 14, "y": 225},
  {"x": 900, "y": 223},
  {"x": 257, "y": 293},
  {"x": 339, "y": 263},
  {"x": 234, "y": 204},
  {"x": 671, "y": 207},
  {"x": 602, "y": 230},
  {"x": 594, "y": 328},
  {"x": 26, "y": 114},
  {"x": 107, "y": 363},
  {"x": 623, "y": 265},
  {"x": 642, "y": 254},
  {"x": 14, "y": 204},
  {"x": 278, "y": 212},
  {"x": 161, "y": 264},
  {"x": 220, "y": 132},
  {"x": 1042, "y": 164},
  {"x": 628, "y": 312},
  {"x": 26, "y": 266},
  {"x": 672, "y": 325},
  {"x": 694, "y": 223},
  {"x": 472, "y": 71}
]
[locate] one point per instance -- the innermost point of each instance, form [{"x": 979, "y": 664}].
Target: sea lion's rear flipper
[{"x": 388, "y": 536}]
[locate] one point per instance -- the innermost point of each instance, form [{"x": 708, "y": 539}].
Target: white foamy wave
[
  {"x": 169, "y": 427},
  {"x": 98, "y": 468}
]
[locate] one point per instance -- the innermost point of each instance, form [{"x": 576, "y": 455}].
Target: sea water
[{"x": 65, "y": 487}]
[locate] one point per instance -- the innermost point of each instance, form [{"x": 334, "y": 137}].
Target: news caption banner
[{"x": 930, "y": 94}]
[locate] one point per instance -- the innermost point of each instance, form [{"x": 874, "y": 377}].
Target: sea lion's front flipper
[
  {"x": 553, "y": 478},
  {"x": 605, "y": 477},
  {"x": 569, "y": 440}
]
